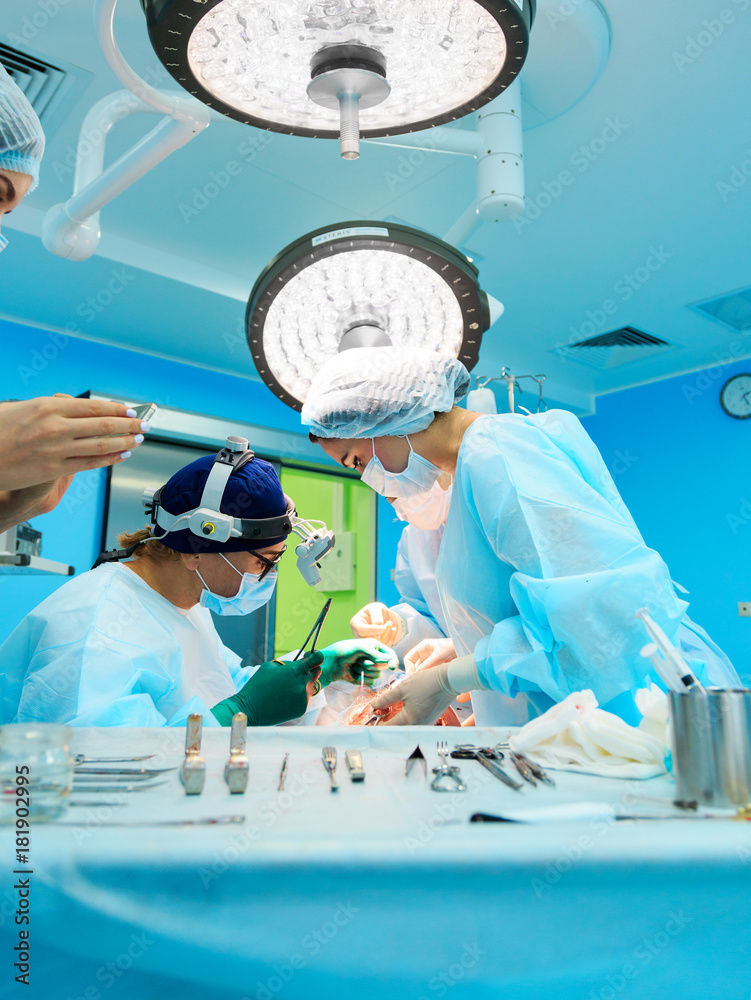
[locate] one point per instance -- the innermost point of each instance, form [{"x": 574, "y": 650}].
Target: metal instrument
[
  {"x": 520, "y": 761},
  {"x": 283, "y": 773},
  {"x": 80, "y": 758},
  {"x": 315, "y": 631},
  {"x": 447, "y": 778},
  {"x": 236, "y": 768},
  {"x": 329, "y": 762},
  {"x": 489, "y": 757},
  {"x": 417, "y": 757},
  {"x": 354, "y": 763},
  {"x": 710, "y": 736},
  {"x": 134, "y": 772},
  {"x": 115, "y": 789},
  {"x": 208, "y": 820},
  {"x": 193, "y": 768}
]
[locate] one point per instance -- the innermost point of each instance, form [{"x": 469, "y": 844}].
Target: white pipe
[
  {"x": 462, "y": 141},
  {"x": 464, "y": 226},
  {"x": 71, "y": 230},
  {"x": 104, "y": 16}
]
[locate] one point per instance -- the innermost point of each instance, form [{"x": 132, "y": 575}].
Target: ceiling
[{"x": 642, "y": 231}]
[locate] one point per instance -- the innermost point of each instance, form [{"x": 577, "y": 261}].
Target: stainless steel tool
[
  {"x": 80, "y": 758},
  {"x": 236, "y": 768},
  {"x": 133, "y": 772},
  {"x": 206, "y": 821},
  {"x": 283, "y": 773},
  {"x": 416, "y": 757},
  {"x": 193, "y": 768},
  {"x": 354, "y": 763},
  {"x": 114, "y": 789},
  {"x": 447, "y": 778},
  {"x": 489, "y": 758},
  {"x": 329, "y": 762}
]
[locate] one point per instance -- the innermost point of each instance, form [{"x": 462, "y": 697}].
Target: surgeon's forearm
[
  {"x": 13, "y": 509},
  {"x": 462, "y": 675}
]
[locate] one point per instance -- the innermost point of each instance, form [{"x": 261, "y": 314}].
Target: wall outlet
[{"x": 744, "y": 609}]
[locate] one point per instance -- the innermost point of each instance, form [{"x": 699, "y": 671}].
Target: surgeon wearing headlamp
[{"x": 133, "y": 644}]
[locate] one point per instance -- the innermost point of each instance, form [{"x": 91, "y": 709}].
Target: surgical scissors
[{"x": 489, "y": 757}]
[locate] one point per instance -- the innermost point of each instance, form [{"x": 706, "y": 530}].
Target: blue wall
[
  {"x": 38, "y": 363},
  {"x": 683, "y": 468}
]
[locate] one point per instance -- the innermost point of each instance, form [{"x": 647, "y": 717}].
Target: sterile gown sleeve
[
  {"x": 68, "y": 685},
  {"x": 414, "y": 577},
  {"x": 541, "y": 522}
]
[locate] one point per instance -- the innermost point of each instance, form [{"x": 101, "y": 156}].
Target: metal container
[{"x": 710, "y": 733}]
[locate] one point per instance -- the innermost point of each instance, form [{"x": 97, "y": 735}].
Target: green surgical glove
[
  {"x": 277, "y": 692},
  {"x": 349, "y": 659}
]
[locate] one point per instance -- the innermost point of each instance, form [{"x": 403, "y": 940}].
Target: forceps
[
  {"x": 81, "y": 758},
  {"x": 489, "y": 757},
  {"x": 315, "y": 631}
]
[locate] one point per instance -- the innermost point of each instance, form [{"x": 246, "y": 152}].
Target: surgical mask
[
  {"x": 251, "y": 595},
  {"x": 418, "y": 477},
  {"x": 3, "y": 242},
  {"x": 427, "y": 510}
]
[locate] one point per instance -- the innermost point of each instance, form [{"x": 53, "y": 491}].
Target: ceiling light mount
[
  {"x": 252, "y": 61},
  {"x": 348, "y": 77},
  {"x": 362, "y": 284}
]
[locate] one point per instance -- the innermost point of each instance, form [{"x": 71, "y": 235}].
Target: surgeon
[
  {"x": 133, "y": 644},
  {"x": 541, "y": 567}
]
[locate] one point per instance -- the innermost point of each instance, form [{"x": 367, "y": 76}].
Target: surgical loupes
[
  {"x": 236, "y": 768},
  {"x": 193, "y": 768}
]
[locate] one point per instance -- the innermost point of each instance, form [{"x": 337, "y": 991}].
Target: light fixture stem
[{"x": 349, "y": 125}]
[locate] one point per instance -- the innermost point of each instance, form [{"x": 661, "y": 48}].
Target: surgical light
[
  {"x": 328, "y": 68},
  {"x": 362, "y": 285}
]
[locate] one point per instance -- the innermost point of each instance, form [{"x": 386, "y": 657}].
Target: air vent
[
  {"x": 52, "y": 89},
  {"x": 732, "y": 311},
  {"x": 619, "y": 347}
]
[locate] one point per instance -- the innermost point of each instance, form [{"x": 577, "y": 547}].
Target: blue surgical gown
[
  {"x": 108, "y": 650},
  {"x": 541, "y": 569},
  {"x": 414, "y": 578}
]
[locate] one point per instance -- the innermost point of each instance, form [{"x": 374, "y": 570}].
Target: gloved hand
[
  {"x": 277, "y": 692},
  {"x": 426, "y": 694},
  {"x": 376, "y": 621},
  {"x": 349, "y": 659},
  {"x": 429, "y": 653}
]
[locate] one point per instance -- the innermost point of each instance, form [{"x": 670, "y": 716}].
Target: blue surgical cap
[
  {"x": 382, "y": 391},
  {"x": 21, "y": 135},
  {"x": 253, "y": 491}
]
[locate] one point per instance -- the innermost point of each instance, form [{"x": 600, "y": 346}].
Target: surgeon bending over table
[
  {"x": 541, "y": 567},
  {"x": 134, "y": 644}
]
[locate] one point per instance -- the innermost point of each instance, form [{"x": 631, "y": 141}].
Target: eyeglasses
[
  {"x": 269, "y": 563},
  {"x": 3, "y": 242}
]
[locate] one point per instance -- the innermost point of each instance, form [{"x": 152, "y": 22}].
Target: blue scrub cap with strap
[
  {"x": 252, "y": 491},
  {"x": 382, "y": 391},
  {"x": 21, "y": 134}
]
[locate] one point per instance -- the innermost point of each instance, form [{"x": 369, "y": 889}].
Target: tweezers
[
  {"x": 221, "y": 820},
  {"x": 136, "y": 772},
  {"x": 317, "y": 626},
  {"x": 114, "y": 789}
]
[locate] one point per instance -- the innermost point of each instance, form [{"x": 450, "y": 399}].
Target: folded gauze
[{"x": 576, "y": 735}]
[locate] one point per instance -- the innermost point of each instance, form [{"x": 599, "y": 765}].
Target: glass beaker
[{"x": 36, "y": 771}]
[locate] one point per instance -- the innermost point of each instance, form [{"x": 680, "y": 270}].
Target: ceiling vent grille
[
  {"x": 609, "y": 350},
  {"x": 732, "y": 311},
  {"x": 51, "y": 89}
]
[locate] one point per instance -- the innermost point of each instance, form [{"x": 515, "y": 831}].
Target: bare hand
[{"x": 48, "y": 439}]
